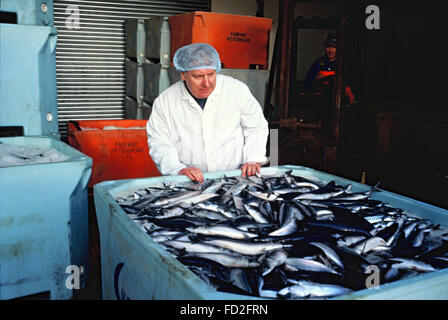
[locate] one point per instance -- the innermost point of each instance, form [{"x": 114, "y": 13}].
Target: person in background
[
  {"x": 207, "y": 121},
  {"x": 322, "y": 71},
  {"x": 320, "y": 77}
]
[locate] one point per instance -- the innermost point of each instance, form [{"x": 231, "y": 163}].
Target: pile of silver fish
[
  {"x": 17, "y": 155},
  {"x": 283, "y": 236}
]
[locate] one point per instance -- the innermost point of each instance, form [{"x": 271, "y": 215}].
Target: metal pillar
[{"x": 286, "y": 16}]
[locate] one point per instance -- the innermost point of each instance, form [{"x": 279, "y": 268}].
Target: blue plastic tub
[
  {"x": 28, "y": 79},
  {"x": 30, "y": 12},
  {"x": 43, "y": 223},
  {"x": 135, "y": 267}
]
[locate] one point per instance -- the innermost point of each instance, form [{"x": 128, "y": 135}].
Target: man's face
[
  {"x": 331, "y": 52},
  {"x": 201, "y": 82}
]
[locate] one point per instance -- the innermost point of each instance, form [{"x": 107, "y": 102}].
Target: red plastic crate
[
  {"x": 241, "y": 41},
  {"x": 121, "y": 153}
]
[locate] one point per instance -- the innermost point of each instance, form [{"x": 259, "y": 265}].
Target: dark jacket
[{"x": 321, "y": 64}]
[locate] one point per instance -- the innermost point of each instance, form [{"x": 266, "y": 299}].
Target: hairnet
[{"x": 196, "y": 56}]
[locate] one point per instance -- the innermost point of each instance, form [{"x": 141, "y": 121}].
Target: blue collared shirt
[{"x": 201, "y": 102}]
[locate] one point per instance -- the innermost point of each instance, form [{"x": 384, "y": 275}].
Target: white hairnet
[{"x": 196, "y": 56}]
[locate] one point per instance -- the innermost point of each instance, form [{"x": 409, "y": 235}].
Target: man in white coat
[{"x": 207, "y": 121}]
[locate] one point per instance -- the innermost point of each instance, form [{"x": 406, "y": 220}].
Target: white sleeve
[
  {"x": 161, "y": 149},
  {"x": 255, "y": 128}
]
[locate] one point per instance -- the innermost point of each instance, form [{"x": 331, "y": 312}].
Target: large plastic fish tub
[
  {"x": 44, "y": 223},
  {"x": 28, "y": 79},
  {"x": 134, "y": 266}
]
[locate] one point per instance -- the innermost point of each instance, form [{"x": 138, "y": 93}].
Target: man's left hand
[{"x": 250, "y": 168}]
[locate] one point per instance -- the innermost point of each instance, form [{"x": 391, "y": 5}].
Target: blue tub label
[{"x": 120, "y": 292}]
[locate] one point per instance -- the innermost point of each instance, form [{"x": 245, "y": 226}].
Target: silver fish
[
  {"x": 172, "y": 212},
  {"x": 271, "y": 294},
  {"x": 306, "y": 211},
  {"x": 359, "y": 195},
  {"x": 287, "y": 228},
  {"x": 254, "y": 226},
  {"x": 303, "y": 289},
  {"x": 149, "y": 227},
  {"x": 238, "y": 202},
  {"x": 292, "y": 190},
  {"x": 198, "y": 198},
  {"x": 400, "y": 222},
  {"x": 256, "y": 180},
  {"x": 289, "y": 224},
  {"x": 308, "y": 265},
  {"x": 391, "y": 274},
  {"x": 216, "y": 208},
  {"x": 239, "y": 279},
  {"x": 161, "y": 238},
  {"x": 304, "y": 184},
  {"x": 229, "y": 260},
  {"x": 257, "y": 215},
  {"x": 221, "y": 230},
  {"x": 164, "y": 232},
  {"x": 247, "y": 248},
  {"x": 330, "y": 253},
  {"x": 236, "y": 189},
  {"x": 265, "y": 196},
  {"x": 189, "y": 246},
  {"x": 419, "y": 238},
  {"x": 408, "y": 229},
  {"x": 297, "y": 214},
  {"x": 370, "y": 244},
  {"x": 412, "y": 265},
  {"x": 214, "y": 188},
  {"x": 272, "y": 260},
  {"x": 320, "y": 196},
  {"x": 317, "y": 196},
  {"x": 323, "y": 212},
  {"x": 207, "y": 214},
  {"x": 167, "y": 201}
]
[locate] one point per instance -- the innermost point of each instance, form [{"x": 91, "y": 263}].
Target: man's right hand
[{"x": 193, "y": 173}]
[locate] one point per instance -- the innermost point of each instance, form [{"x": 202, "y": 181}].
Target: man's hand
[
  {"x": 250, "y": 168},
  {"x": 193, "y": 173}
]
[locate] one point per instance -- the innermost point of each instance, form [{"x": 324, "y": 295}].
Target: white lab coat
[{"x": 230, "y": 131}]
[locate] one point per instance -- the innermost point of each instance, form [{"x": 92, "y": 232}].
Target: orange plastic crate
[
  {"x": 241, "y": 41},
  {"x": 118, "y": 148}
]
